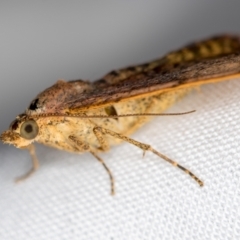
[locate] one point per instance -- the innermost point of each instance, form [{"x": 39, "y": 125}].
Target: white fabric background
[{"x": 68, "y": 198}]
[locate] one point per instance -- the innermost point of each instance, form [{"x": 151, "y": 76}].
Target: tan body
[
  {"x": 54, "y": 132},
  {"x": 79, "y": 116}
]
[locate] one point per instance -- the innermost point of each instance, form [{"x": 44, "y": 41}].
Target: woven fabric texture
[{"x": 69, "y": 197}]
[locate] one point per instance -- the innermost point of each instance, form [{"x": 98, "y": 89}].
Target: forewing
[
  {"x": 203, "y": 62},
  {"x": 187, "y": 75}
]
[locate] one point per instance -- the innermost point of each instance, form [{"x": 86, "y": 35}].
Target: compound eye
[{"x": 29, "y": 129}]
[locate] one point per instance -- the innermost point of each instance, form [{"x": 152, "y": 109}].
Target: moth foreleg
[
  {"x": 79, "y": 145},
  {"x": 104, "y": 146},
  {"x": 35, "y": 164},
  {"x": 83, "y": 146},
  {"x": 146, "y": 147}
]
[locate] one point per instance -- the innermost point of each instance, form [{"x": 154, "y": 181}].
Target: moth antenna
[{"x": 106, "y": 116}]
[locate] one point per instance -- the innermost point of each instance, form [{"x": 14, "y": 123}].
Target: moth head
[{"x": 21, "y": 133}]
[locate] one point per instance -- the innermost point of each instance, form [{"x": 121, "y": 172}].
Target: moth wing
[
  {"x": 203, "y": 62},
  {"x": 211, "y": 60},
  {"x": 150, "y": 83}
]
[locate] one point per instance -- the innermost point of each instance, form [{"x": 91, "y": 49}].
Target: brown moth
[{"x": 81, "y": 116}]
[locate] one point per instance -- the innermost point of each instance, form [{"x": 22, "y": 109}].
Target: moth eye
[{"x": 29, "y": 129}]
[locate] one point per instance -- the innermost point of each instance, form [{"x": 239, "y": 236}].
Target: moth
[{"x": 81, "y": 116}]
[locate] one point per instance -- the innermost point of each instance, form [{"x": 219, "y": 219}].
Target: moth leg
[
  {"x": 108, "y": 171},
  {"x": 80, "y": 145},
  {"x": 83, "y": 146},
  {"x": 146, "y": 147},
  {"x": 35, "y": 164},
  {"x": 104, "y": 146}
]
